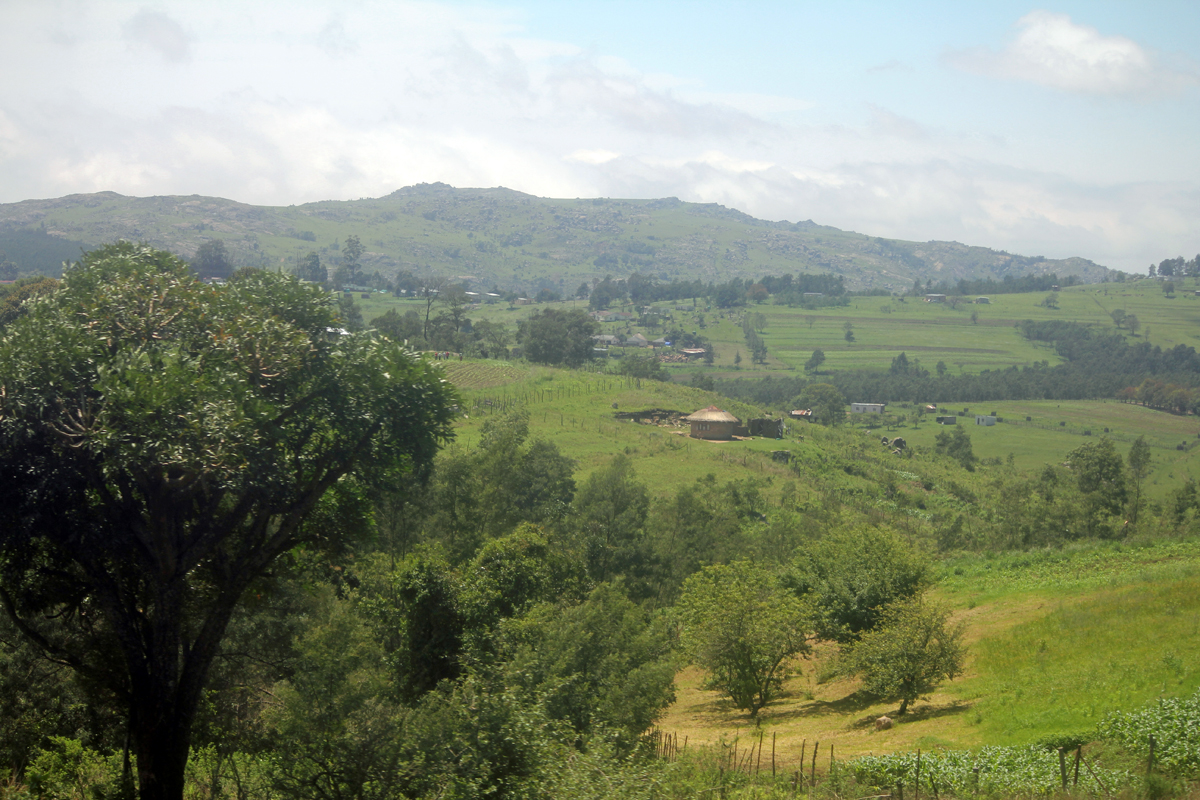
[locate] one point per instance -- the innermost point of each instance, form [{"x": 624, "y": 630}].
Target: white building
[{"x": 867, "y": 408}]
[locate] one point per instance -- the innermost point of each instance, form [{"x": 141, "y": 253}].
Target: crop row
[
  {"x": 988, "y": 770},
  {"x": 1174, "y": 724}
]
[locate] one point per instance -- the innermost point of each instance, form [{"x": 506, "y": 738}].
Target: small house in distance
[
  {"x": 947, "y": 419},
  {"x": 985, "y": 419},
  {"x": 867, "y": 408},
  {"x": 983, "y": 301},
  {"x": 935, "y": 298},
  {"x": 711, "y": 423}
]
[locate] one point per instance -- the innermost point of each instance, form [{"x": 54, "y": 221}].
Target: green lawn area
[
  {"x": 884, "y": 327},
  {"x": 1042, "y": 439}
]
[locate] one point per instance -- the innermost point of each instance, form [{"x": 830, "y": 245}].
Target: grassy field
[
  {"x": 1056, "y": 641},
  {"x": 577, "y": 411},
  {"x": 1043, "y": 438},
  {"x": 884, "y": 327}
]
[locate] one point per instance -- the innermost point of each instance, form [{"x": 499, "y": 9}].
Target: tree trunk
[
  {"x": 903, "y": 706},
  {"x": 162, "y": 754}
]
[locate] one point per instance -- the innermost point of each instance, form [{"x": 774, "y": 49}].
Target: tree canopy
[
  {"x": 742, "y": 627},
  {"x": 558, "y": 337},
  {"x": 909, "y": 654},
  {"x": 162, "y": 443}
]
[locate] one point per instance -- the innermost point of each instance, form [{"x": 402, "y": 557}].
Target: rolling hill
[{"x": 504, "y": 238}]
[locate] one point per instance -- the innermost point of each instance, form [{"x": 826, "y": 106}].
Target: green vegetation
[
  {"x": 743, "y": 628},
  {"x": 156, "y": 465},
  {"x": 504, "y": 238},
  {"x": 550, "y": 603},
  {"x": 909, "y": 654}
]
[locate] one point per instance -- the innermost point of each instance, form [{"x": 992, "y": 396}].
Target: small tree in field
[
  {"x": 814, "y": 363},
  {"x": 912, "y": 651},
  {"x": 742, "y": 627}
]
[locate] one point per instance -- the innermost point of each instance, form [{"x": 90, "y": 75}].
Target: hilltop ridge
[{"x": 507, "y": 238}]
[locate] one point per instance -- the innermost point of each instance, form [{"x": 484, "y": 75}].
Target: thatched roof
[{"x": 711, "y": 414}]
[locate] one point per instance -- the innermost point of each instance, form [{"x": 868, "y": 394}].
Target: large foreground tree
[{"x": 162, "y": 443}]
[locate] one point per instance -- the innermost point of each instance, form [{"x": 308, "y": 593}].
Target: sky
[{"x": 1060, "y": 130}]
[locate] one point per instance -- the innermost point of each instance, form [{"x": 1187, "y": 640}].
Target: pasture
[
  {"x": 1057, "y": 640},
  {"x": 1037, "y": 432},
  {"x": 884, "y": 327}
]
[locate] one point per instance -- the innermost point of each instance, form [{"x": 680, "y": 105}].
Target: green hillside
[{"x": 499, "y": 237}]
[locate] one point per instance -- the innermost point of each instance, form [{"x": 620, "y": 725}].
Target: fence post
[
  {"x": 917, "y": 782},
  {"x": 1150, "y": 761},
  {"x": 1078, "y": 754},
  {"x": 1062, "y": 766}
]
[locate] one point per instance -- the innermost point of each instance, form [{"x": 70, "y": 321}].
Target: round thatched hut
[{"x": 712, "y": 423}]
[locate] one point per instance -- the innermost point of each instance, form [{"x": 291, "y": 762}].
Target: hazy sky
[{"x": 1070, "y": 129}]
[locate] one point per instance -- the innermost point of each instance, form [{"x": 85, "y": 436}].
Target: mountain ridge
[{"x": 511, "y": 239}]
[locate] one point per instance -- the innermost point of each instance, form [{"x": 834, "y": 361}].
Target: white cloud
[
  {"x": 158, "y": 32},
  {"x": 593, "y": 156},
  {"x": 1051, "y": 50},
  {"x": 317, "y": 101}
]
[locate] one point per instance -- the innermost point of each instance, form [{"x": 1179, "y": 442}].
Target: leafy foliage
[
  {"x": 742, "y": 627},
  {"x": 991, "y": 771},
  {"x": 603, "y": 664},
  {"x": 827, "y": 403},
  {"x": 957, "y": 445},
  {"x": 552, "y": 336},
  {"x": 909, "y": 653},
  {"x": 162, "y": 442},
  {"x": 849, "y": 577},
  {"x": 1172, "y": 722}
]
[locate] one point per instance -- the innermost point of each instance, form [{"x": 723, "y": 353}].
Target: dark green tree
[
  {"x": 957, "y": 445},
  {"x": 913, "y": 649},
  {"x": 813, "y": 364},
  {"x": 610, "y": 514},
  {"x": 352, "y": 251},
  {"x": 849, "y": 576},
  {"x": 212, "y": 260},
  {"x": 162, "y": 443},
  {"x": 743, "y": 628},
  {"x": 602, "y": 664},
  {"x": 827, "y": 403},
  {"x": 336, "y": 729},
  {"x": 14, "y": 297},
  {"x": 311, "y": 269},
  {"x": 554, "y": 336},
  {"x": 643, "y": 367},
  {"x": 1099, "y": 473},
  {"x": 399, "y": 328}
]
